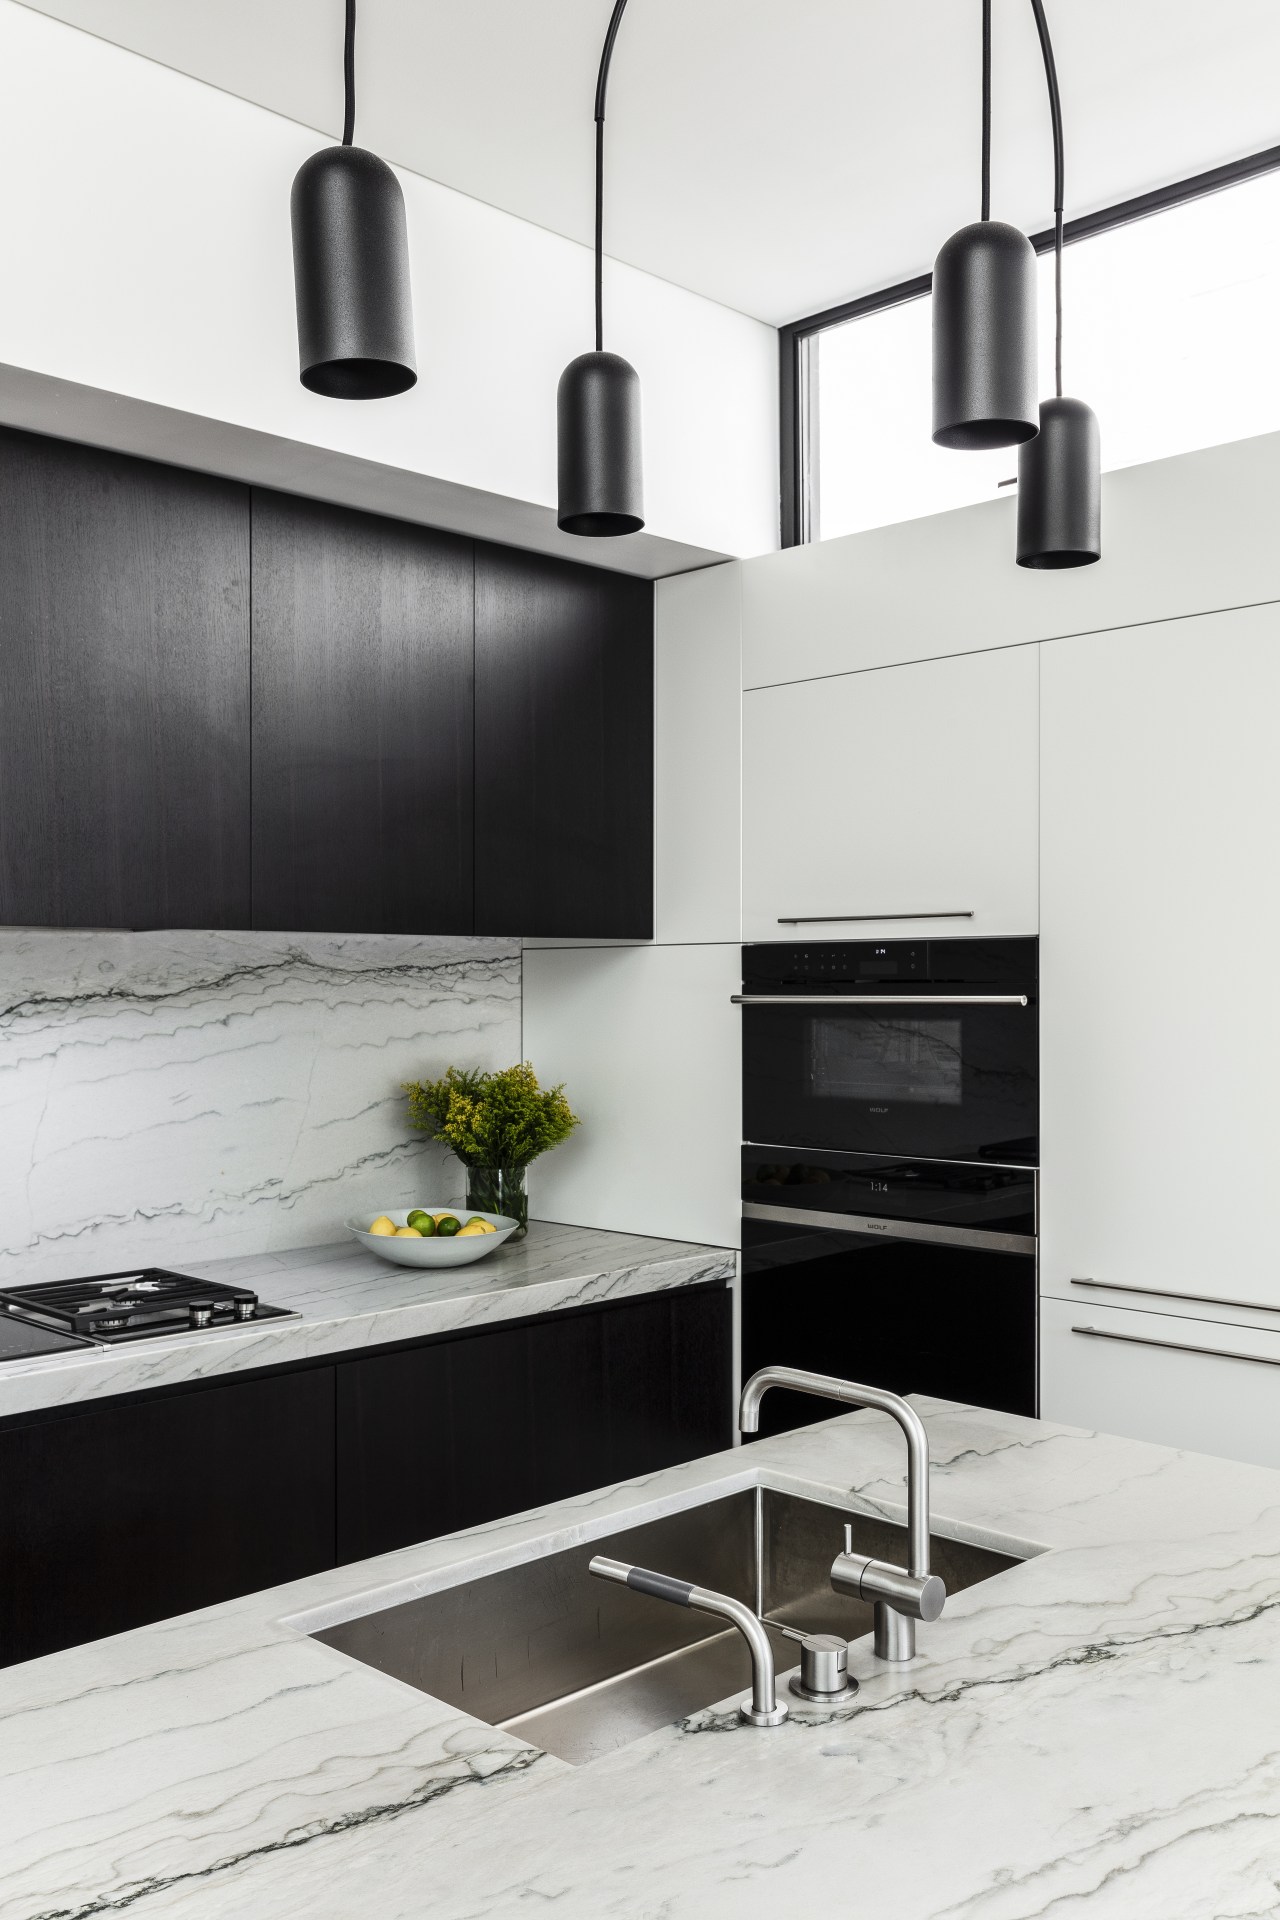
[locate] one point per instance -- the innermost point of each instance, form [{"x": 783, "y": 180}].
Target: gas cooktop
[{"x": 106, "y": 1308}]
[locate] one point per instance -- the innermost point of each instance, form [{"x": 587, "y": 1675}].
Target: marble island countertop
[
  {"x": 346, "y": 1299},
  {"x": 1093, "y": 1732}
]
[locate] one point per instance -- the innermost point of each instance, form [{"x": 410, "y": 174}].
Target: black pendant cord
[
  {"x": 985, "y": 110},
  {"x": 602, "y": 85},
  {"x": 1059, "y": 177},
  {"x": 349, "y": 75}
]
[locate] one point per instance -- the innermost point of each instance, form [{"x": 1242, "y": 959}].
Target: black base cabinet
[
  {"x": 461, "y": 1430},
  {"x": 128, "y": 1511}
]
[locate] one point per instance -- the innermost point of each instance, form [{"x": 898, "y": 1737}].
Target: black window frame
[{"x": 793, "y": 395}]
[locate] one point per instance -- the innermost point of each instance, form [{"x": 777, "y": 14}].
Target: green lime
[
  {"x": 448, "y": 1224},
  {"x": 416, "y": 1218},
  {"x": 476, "y": 1220},
  {"x": 425, "y": 1223}
]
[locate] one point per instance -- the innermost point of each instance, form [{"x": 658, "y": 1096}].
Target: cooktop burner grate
[{"x": 132, "y": 1305}]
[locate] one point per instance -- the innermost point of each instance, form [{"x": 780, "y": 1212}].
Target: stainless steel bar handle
[
  {"x": 922, "y": 1231},
  {"x": 1169, "y": 1293},
  {"x": 879, "y": 999},
  {"x": 1177, "y": 1346},
  {"x": 848, "y": 919},
  {"x": 765, "y": 1709}
]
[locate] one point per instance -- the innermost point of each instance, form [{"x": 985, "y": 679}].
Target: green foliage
[{"x": 502, "y": 1119}]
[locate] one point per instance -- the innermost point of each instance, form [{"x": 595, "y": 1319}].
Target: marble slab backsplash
[{"x": 169, "y": 1096}]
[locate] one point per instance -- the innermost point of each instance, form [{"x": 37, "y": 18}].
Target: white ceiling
[{"x": 777, "y": 155}]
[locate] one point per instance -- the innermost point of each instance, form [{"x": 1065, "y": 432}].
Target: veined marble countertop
[
  {"x": 1094, "y": 1732},
  {"x": 347, "y": 1299}
]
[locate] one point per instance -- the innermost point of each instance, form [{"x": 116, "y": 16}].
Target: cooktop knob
[
  {"x": 199, "y": 1313},
  {"x": 246, "y": 1305}
]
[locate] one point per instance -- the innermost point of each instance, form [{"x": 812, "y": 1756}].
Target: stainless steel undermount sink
[{"x": 579, "y": 1667}]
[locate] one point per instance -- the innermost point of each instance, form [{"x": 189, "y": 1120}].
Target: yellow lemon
[
  {"x": 382, "y": 1225},
  {"x": 473, "y": 1230},
  {"x": 406, "y": 1233}
]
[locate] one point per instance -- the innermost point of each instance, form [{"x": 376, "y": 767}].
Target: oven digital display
[{"x": 886, "y": 1060}]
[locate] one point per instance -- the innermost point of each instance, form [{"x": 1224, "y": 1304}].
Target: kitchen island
[{"x": 1093, "y": 1730}]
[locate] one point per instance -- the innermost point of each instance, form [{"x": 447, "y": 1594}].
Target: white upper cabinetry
[
  {"x": 908, "y": 791},
  {"x": 1160, "y": 908},
  {"x": 1180, "y": 536}
]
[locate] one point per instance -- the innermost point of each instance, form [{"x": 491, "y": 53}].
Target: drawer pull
[
  {"x": 849, "y": 919},
  {"x": 1176, "y": 1346},
  {"x": 1167, "y": 1293}
]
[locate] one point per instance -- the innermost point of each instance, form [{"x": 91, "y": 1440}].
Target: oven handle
[
  {"x": 974, "y": 1237},
  {"x": 879, "y": 999}
]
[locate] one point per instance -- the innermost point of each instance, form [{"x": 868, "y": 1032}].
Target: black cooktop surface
[
  {"x": 133, "y": 1305},
  {"x": 22, "y": 1339}
]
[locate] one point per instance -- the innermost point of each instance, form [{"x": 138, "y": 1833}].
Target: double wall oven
[{"x": 889, "y": 1167}]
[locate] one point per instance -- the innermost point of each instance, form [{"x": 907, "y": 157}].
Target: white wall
[
  {"x": 649, "y": 1048},
  {"x": 145, "y": 234}
]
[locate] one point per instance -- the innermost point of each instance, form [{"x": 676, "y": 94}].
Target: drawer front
[{"x": 1200, "y": 1384}]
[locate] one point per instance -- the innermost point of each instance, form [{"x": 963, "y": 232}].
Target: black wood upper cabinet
[
  {"x": 453, "y": 1432},
  {"x": 564, "y": 748},
  {"x": 227, "y": 707},
  {"x": 124, "y": 691},
  {"x": 362, "y": 722},
  {"x": 132, "y": 1511}
]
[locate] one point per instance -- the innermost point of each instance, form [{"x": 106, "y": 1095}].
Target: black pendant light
[
  {"x": 1060, "y": 471},
  {"x": 984, "y": 320},
  {"x": 351, "y": 265},
  {"x": 601, "y": 479}
]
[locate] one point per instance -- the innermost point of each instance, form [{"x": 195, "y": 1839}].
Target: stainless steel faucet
[
  {"x": 900, "y": 1595},
  {"x": 763, "y": 1708}
]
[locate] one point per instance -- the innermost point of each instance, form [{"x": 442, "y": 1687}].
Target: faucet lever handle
[{"x": 848, "y": 1537}]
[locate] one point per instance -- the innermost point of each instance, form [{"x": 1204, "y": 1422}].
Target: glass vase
[{"x": 500, "y": 1190}]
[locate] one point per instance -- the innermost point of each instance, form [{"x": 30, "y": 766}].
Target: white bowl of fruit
[{"x": 433, "y": 1236}]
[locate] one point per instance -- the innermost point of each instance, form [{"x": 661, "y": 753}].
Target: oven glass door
[
  {"x": 949, "y": 1078},
  {"x": 914, "y": 1317}
]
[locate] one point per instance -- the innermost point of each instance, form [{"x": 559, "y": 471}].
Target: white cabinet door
[
  {"x": 872, "y": 798},
  {"x": 1163, "y": 1377},
  {"x": 1160, "y": 932}
]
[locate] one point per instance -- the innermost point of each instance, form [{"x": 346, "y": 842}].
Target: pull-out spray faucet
[{"x": 763, "y": 1708}]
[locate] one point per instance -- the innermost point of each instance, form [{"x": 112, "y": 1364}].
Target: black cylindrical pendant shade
[
  {"x": 351, "y": 277},
  {"x": 601, "y": 477},
  {"x": 1060, "y": 488},
  {"x": 984, "y": 338}
]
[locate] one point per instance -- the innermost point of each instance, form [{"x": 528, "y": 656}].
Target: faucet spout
[
  {"x": 850, "y": 1394},
  {"x": 764, "y": 1708}
]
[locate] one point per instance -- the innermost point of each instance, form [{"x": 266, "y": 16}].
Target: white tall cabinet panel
[
  {"x": 698, "y": 747},
  {"x": 648, "y": 1046},
  {"x": 1160, "y": 924},
  {"x": 908, "y": 790}
]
